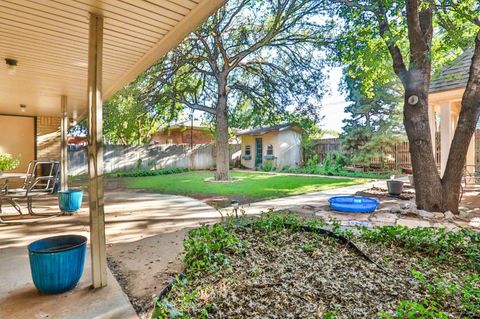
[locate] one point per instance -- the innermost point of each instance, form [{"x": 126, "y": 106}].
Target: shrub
[
  {"x": 267, "y": 167},
  {"x": 8, "y": 162},
  {"x": 146, "y": 172}
]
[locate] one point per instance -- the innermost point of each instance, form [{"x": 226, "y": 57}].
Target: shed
[{"x": 279, "y": 145}]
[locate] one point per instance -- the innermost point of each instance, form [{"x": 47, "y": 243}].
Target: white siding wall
[{"x": 289, "y": 149}]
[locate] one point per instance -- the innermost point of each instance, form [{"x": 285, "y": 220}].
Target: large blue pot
[
  {"x": 57, "y": 262},
  {"x": 70, "y": 200}
]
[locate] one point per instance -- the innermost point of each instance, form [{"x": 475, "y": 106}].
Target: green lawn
[{"x": 250, "y": 187}]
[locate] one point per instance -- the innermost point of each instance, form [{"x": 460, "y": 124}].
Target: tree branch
[
  {"x": 397, "y": 57},
  {"x": 420, "y": 32},
  {"x": 211, "y": 57},
  {"x": 196, "y": 106}
]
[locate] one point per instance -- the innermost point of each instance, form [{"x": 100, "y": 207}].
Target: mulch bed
[
  {"x": 382, "y": 193},
  {"x": 305, "y": 275}
]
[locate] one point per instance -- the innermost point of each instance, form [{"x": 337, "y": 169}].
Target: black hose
[{"x": 342, "y": 239}]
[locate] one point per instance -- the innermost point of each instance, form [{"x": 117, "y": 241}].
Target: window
[
  {"x": 269, "y": 149},
  {"x": 247, "y": 150},
  {"x": 170, "y": 141}
]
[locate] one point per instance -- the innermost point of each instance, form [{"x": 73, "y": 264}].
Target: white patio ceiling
[{"x": 49, "y": 39}]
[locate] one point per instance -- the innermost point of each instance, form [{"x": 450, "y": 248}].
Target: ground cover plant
[
  {"x": 149, "y": 172},
  {"x": 268, "y": 268},
  {"x": 247, "y": 187}
]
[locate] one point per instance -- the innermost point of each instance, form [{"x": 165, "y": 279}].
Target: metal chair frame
[
  {"x": 33, "y": 186},
  {"x": 470, "y": 181}
]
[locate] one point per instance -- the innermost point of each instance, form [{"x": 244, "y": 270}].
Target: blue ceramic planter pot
[
  {"x": 57, "y": 262},
  {"x": 70, "y": 200}
]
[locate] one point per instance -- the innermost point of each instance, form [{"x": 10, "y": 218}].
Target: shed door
[{"x": 258, "y": 152}]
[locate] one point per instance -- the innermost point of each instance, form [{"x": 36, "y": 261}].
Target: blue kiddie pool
[
  {"x": 57, "y": 262},
  {"x": 353, "y": 204}
]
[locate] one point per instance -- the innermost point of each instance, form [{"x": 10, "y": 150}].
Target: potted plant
[
  {"x": 8, "y": 162},
  {"x": 395, "y": 187}
]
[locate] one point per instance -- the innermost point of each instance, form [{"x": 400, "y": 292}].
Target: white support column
[
  {"x": 64, "y": 149},
  {"x": 446, "y": 134},
  {"x": 433, "y": 126},
  {"x": 95, "y": 153},
  {"x": 471, "y": 155}
]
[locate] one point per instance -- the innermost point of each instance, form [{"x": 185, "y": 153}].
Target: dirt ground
[{"x": 144, "y": 267}]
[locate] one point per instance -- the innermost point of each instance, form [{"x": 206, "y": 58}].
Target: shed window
[
  {"x": 269, "y": 149},
  {"x": 247, "y": 150}
]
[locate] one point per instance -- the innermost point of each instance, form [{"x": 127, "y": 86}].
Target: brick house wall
[
  {"x": 182, "y": 136},
  {"x": 48, "y": 138}
]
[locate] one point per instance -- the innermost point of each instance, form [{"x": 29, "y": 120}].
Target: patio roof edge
[{"x": 167, "y": 43}]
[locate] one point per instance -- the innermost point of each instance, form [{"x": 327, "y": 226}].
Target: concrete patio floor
[
  {"x": 130, "y": 218},
  {"x": 19, "y": 299}
]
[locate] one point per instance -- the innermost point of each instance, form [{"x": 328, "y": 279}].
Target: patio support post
[
  {"x": 64, "y": 150},
  {"x": 471, "y": 155},
  {"x": 433, "y": 128},
  {"x": 95, "y": 153},
  {"x": 446, "y": 131}
]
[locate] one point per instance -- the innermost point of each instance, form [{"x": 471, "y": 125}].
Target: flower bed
[{"x": 272, "y": 268}]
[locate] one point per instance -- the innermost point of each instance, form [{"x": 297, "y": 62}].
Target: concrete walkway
[
  {"x": 130, "y": 217},
  {"x": 312, "y": 199}
]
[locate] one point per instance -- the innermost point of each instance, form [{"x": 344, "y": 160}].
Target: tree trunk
[
  {"x": 428, "y": 185},
  {"x": 223, "y": 160},
  {"x": 467, "y": 122},
  {"x": 432, "y": 192}
]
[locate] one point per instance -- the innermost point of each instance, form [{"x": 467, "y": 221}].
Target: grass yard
[{"x": 249, "y": 187}]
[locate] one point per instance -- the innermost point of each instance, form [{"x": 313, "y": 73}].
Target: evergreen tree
[{"x": 375, "y": 125}]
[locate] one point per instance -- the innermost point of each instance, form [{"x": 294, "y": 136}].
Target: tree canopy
[
  {"x": 375, "y": 123},
  {"x": 417, "y": 37},
  {"x": 253, "y": 62}
]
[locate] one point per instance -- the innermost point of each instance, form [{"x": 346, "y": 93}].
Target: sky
[{"x": 333, "y": 104}]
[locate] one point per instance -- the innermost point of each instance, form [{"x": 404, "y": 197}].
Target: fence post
[{"x": 396, "y": 156}]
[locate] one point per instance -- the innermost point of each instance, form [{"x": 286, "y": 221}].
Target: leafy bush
[
  {"x": 320, "y": 170},
  {"x": 313, "y": 161},
  {"x": 333, "y": 165},
  {"x": 8, "y": 162},
  {"x": 267, "y": 167},
  {"x": 146, "y": 172},
  {"x": 207, "y": 247}
]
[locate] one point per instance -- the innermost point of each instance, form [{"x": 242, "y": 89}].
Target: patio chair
[
  {"x": 41, "y": 181},
  {"x": 470, "y": 181}
]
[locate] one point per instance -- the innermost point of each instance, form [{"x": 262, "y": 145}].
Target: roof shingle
[
  {"x": 454, "y": 76},
  {"x": 263, "y": 130}
]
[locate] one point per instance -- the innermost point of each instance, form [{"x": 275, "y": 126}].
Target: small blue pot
[
  {"x": 57, "y": 262},
  {"x": 70, "y": 200}
]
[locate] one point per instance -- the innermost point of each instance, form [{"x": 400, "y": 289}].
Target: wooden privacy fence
[
  {"x": 326, "y": 146},
  {"x": 124, "y": 157},
  {"x": 397, "y": 157}
]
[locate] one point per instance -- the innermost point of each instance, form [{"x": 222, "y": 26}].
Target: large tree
[
  {"x": 128, "y": 120},
  {"x": 414, "y": 33},
  {"x": 374, "y": 125},
  {"x": 256, "y": 58}
]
